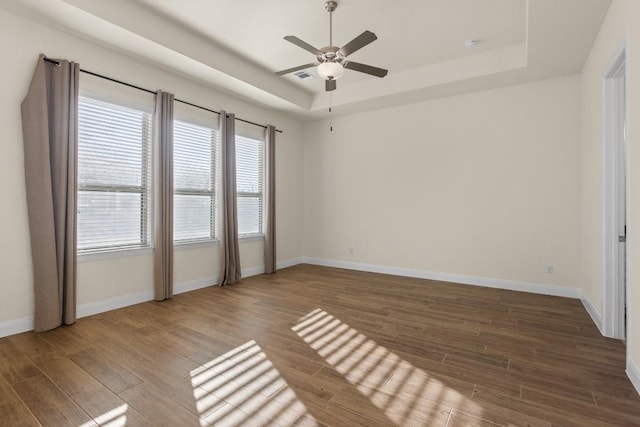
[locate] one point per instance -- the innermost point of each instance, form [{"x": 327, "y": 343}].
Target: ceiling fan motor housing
[{"x": 330, "y": 54}]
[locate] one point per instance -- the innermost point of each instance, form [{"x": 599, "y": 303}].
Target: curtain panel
[
  {"x": 50, "y": 136},
  {"x": 229, "y": 219},
  {"x": 270, "y": 201},
  {"x": 163, "y": 139}
]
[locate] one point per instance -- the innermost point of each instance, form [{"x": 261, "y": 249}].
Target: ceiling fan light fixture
[{"x": 330, "y": 70}]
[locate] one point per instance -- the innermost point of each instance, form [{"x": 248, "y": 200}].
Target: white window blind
[
  {"x": 113, "y": 176},
  {"x": 249, "y": 184},
  {"x": 195, "y": 151}
]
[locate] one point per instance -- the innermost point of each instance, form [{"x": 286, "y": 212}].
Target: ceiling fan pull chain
[{"x": 330, "y": 112}]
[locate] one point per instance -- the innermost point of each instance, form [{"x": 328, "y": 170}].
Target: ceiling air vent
[{"x": 302, "y": 75}]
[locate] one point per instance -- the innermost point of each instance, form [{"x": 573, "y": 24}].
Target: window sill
[
  {"x": 122, "y": 253},
  {"x": 115, "y": 253},
  {"x": 251, "y": 238},
  {"x": 185, "y": 246}
]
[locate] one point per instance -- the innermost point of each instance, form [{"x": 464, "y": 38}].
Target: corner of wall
[
  {"x": 593, "y": 312},
  {"x": 633, "y": 372}
]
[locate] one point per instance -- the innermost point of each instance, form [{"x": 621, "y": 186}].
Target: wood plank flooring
[{"x": 315, "y": 346}]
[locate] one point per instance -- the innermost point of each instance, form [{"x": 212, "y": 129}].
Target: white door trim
[{"x": 614, "y": 298}]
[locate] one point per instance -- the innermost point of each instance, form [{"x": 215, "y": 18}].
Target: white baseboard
[
  {"x": 109, "y": 304},
  {"x": 633, "y": 372},
  {"x": 92, "y": 308},
  {"x": 259, "y": 269},
  {"x": 16, "y": 326},
  {"x": 591, "y": 309},
  {"x": 289, "y": 262},
  {"x": 193, "y": 285},
  {"x": 252, "y": 271},
  {"x": 536, "y": 288},
  {"x": 25, "y": 324}
]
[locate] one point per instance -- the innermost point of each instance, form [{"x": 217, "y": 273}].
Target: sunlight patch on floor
[
  {"x": 115, "y": 418},
  {"x": 242, "y": 387},
  {"x": 406, "y": 394}
]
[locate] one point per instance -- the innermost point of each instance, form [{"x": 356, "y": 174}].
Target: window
[
  {"x": 249, "y": 184},
  {"x": 194, "y": 179},
  {"x": 113, "y": 176}
]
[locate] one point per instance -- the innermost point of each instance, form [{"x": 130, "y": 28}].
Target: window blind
[
  {"x": 249, "y": 185},
  {"x": 195, "y": 151},
  {"x": 114, "y": 168}
]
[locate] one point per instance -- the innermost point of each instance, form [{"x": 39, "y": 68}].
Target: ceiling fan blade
[
  {"x": 367, "y": 69},
  {"x": 306, "y": 46},
  {"x": 298, "y": 68},
  {"x": 358, "y": 43},
  {"x": 330, "y": 85}
]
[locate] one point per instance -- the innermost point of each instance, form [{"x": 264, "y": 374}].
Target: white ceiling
[
  {"x": 411, "y": 33},
  {"x": 237, "y": 45}
]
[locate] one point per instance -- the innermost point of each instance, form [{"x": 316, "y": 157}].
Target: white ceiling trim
[
  {"x": 156, "y": 44},
  {"x": 559, "y": 35},
  {"x": 456, "y": 70}
]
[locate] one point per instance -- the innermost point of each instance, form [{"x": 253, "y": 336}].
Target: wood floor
[{"x": 319, "y": 346}]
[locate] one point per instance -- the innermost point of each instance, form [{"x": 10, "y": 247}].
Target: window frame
[
  {"x": 214, "y": 193},
  {"x": 249, "y": 195},
  {"x": 145, "y": 189}
]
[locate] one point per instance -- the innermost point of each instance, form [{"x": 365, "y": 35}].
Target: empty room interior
[{"x": 320, "y": 213}]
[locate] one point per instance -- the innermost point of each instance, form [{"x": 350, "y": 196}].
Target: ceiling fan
[{"x": 331, "y": 60}]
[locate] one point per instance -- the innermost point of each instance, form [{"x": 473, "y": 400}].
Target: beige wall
[
  {"x": 99, "y": 280},
  {"x": 623, "y": 21},
  {"x": 484, "y": 184}
]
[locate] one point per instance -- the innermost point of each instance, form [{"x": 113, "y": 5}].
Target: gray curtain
[
  {"x": 229, "y": 225},
  {"x": 50, "y": 133},
  {"x": 270, "y": 201},
  {"x": 163, "y": 138}
]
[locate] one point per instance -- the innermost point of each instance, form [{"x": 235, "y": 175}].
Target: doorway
[{"x": 615, "y": 198}]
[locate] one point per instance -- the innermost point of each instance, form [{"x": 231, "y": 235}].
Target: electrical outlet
[{"x": 549, "y": 268}]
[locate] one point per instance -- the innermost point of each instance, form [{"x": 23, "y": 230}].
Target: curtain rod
[{"x": 153, "y": 93}]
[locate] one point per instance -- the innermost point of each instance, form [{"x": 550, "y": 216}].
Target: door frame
[{"x": 615, "y": 99}]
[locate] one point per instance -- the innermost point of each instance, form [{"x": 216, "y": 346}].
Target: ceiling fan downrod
[{"x": 330, "y": 5}]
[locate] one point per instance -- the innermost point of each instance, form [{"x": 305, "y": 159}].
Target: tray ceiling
[{"x": 237, "y": 45}]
